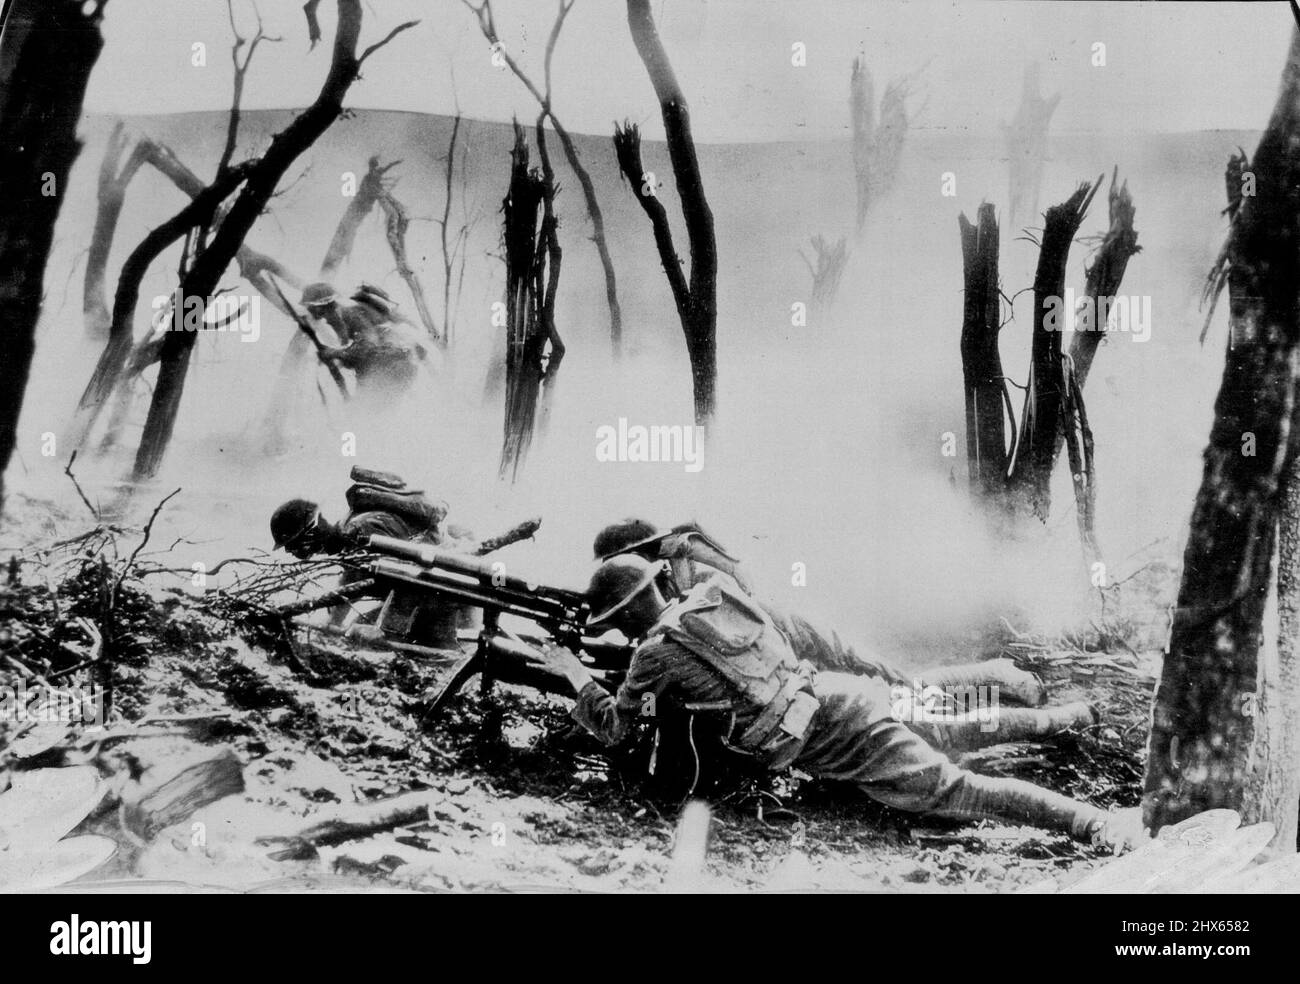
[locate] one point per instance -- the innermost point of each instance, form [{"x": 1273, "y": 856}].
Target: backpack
[
  {"x": 377, "y": 300},
  {"x": 385, "y": 492},
  {"x": 734, "y": 637}
]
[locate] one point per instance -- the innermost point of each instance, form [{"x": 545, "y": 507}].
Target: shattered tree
[
  {"x": 122, "y": 360},
  {"x": 487, "y": 25},
  {"x": 1049, "y": 387},
  {"x": 827, "y": 271},
  {"x": 994, "y": 448},
  {"x": 50, "y": 48},
  {"x": 695, "y": 298},
  {"x": 1199, "y": 752},
  {"x": 532, "y": 253},
  {"x": 877, "y": 146}
]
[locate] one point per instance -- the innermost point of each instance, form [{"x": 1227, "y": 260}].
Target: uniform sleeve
[
  {"x": 361, "y": 527},
  {"x": 610, "y": 716}
]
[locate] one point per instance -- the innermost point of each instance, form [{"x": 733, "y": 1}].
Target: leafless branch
[
  {"x": 379, "y": 44},
  {"x": 77, "y": 485}
]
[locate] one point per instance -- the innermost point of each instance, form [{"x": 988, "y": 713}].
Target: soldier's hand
[
  {"x": 562, "y": 662},
  {"x": 365, "y": 633}
]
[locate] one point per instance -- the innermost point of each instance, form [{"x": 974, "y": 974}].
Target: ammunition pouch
[{"x": 737, "y": 639}]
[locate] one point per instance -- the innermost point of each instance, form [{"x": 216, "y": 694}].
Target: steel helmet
[
  {"x": 616, "y": 582},
  {"x": 292, "y": 519},
  {"x": 622, "y": 537},
  {"x": 318, "y": 295}
]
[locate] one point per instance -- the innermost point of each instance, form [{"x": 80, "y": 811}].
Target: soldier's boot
[
  {"x": 993, "y": 726},
  {"x": 1014, "y": 684},
  {"x": 1014, "y": 801}
]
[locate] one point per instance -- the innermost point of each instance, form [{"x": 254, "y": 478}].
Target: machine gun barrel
[
  {"x": 485, "y": 572},
  {"x": 499, "y": 655}
]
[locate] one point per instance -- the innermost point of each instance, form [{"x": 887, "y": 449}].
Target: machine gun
[{"x": 499, "y": 654}]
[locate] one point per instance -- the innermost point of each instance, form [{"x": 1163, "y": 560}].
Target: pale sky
[{"x": 1169, "y": 66}]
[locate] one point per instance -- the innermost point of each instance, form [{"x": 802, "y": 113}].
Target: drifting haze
[
  {"x": 1170, "y": 66},
  {"x": 828, "y": 447}
]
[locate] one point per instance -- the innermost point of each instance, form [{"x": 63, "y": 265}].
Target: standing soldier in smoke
[{"x": 383, "y": 350}]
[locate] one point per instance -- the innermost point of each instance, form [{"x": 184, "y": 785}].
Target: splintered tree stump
[
  {"x": 1031, "y": 472},
  {"x": 1104, "y": 276},
  {"x": 531, "y": 274}
]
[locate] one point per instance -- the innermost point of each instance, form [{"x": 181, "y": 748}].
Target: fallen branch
[
  {"x": 524, "y": 531},
  {"x": 353, "y": 823}
]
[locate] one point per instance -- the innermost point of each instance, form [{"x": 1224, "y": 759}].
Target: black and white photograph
[{"x": 643, "y": 447}]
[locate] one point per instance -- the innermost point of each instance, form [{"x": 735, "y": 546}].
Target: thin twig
[{"x": 77, "y": 485}]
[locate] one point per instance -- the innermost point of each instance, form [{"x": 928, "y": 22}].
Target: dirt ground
[{"x": 513, "y": 796}]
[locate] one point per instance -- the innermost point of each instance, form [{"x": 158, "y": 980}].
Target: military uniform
[
  {"x": 693, "y": 557},
  {"x": 714, "y": 647},
  {"x": 380, "y": 349}
]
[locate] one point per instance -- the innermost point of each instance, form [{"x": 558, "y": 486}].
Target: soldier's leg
[
  {"x": 902, "y": 770},
  {"x": 993, "y": 726},
  {"x": 1015, "y": 684},
  {"x": 855, "y": 739}
]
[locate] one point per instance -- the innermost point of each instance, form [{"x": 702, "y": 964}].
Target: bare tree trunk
[
  {"x": 862, "y": 117},
  {"x": 361, "y": 205},
  {"x": 450, "y": 250},
  {"x": 1202, "y": 732},
  {"x": 487, "y": 25},
  {"x": 120, "y": 356},
  {"x": 877, "y": 145},
  {"x": 55, "y": 44},
  {"x": 114, "y": 177},
  {"x": 554, "y": 257},
  {"x": 986, "y": 393},
  {"x": 1104, "y": 276},
  {"x": 1031, "y": 472},
  {"x": 826, "y": 273},
  {"x": 529, "y": 229},
  {"x": 696, "y": 299},
  {"x": 113, "y": 358},
  {"x": 396, "y": 222},
  {"x": 1272, "y": 785}
]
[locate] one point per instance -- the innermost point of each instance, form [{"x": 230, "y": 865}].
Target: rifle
[{"x": 499, "y": 653}]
